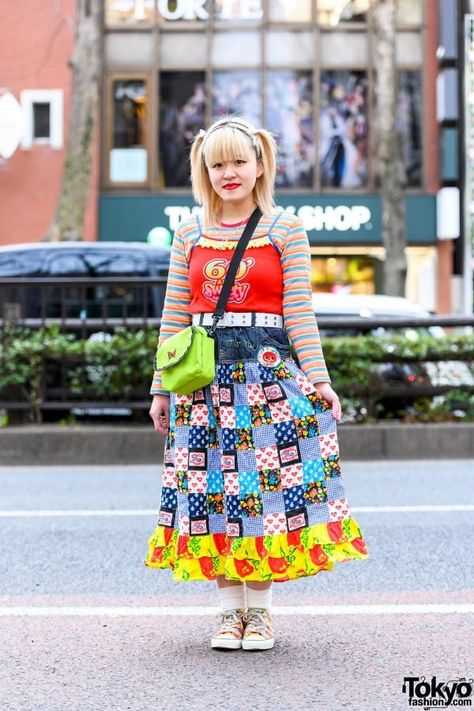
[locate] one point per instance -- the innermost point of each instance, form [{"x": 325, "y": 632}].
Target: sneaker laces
[
  {"x": 256, "y": 617},
  {"x": 230, "y": 619}
]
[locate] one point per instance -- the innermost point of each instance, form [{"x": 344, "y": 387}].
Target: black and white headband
[{"x": 232, "y": 124}]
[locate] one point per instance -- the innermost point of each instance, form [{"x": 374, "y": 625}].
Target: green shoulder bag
[{"x": 187, "y": 359}]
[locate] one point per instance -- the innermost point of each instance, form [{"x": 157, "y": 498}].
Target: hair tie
[{"x": 201, "y": 133}]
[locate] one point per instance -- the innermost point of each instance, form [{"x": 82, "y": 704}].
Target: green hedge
[{"x": 121, "y": 367}]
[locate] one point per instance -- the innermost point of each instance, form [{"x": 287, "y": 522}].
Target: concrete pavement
[{"x": 75, "y": 537}]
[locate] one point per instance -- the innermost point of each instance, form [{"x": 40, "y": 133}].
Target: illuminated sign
[
  {"x": 315, "y": 217},
  {"x": 141, "y": 10},
  {"x": 328, "y": 219},
  {"x": 183, "y": 9}
]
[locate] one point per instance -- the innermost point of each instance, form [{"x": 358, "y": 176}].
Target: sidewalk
[{"x": 122, "y": 444}]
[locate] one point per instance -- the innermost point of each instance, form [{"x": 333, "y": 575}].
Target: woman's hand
[
  {"x": 160, "y": 413},
  {"x": 330, "y": 396}
]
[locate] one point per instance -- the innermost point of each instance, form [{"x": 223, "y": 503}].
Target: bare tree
[
  {"x": 389, "y": 156},
  {"x": 85, "y": 63}
]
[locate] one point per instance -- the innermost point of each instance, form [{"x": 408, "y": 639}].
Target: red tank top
[{"x": 258, "y": 284}]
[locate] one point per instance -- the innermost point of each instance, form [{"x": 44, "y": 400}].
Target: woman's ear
[{"x": 259, "y": 167}]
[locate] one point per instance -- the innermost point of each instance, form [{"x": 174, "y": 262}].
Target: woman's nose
[{"x": 229, "y": 170}]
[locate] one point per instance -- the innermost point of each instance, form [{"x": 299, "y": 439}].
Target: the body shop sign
[
  {"x": 328, "y": 219},
  {"x": 326, "y": 215}
]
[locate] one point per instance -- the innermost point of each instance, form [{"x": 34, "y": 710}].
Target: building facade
[
  {"x": 36, "y": 46},
  {"x": 305, "y": 70}
]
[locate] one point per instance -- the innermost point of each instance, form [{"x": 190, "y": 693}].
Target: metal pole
[{"x": 468, "y": 201}]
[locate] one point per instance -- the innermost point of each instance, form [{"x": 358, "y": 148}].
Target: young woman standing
[{"x": 252, "y": 487}]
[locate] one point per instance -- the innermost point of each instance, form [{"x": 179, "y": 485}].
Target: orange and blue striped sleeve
[
  {"x": 175, "y": 314},
  {"x": 300, "y": 320}
]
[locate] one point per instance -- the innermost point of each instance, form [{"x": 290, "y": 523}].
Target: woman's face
[{"x": 234, "y": 180}]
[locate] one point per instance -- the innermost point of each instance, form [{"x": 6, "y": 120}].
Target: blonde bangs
[{"x": 226, "y": 144}]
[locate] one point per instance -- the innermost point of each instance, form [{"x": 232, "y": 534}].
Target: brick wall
[{"x": 36, "y": 39}]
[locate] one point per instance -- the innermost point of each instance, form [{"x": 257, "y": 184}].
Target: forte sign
[{"x": 197, "y": 10}]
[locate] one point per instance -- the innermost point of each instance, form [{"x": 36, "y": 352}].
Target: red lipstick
[{"x": 231, "y": 186}]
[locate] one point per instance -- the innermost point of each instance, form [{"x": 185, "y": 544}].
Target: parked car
[
  {"x": 85, "y": 259},
  {"x": 362, "y": 307}
]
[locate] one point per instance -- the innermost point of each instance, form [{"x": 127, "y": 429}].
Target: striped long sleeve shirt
[{"x": 274, "y": 277}]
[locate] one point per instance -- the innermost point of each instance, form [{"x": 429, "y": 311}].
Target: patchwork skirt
[{"x": 252, "y": 487}]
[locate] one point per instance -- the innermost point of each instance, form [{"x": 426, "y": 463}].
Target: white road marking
[
  {"x": 421, "y": 508},
  {"x": 289, "y": 610}
]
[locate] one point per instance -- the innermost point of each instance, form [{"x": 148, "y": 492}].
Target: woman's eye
[
  {"x": 239, "y": 161},
  {"x": 217, "y": 165}
]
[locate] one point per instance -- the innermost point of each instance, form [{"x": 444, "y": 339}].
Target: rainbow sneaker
[{"x": 231, "y": 630}]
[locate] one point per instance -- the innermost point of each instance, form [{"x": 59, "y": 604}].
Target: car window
[
  {"x": 92, "y": 263},
  {"x": 21, "y": 263}
]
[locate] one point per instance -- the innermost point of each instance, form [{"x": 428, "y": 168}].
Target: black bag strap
[{"x": 233, "y": 267}]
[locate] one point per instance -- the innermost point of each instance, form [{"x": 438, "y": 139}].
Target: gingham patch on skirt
[{"x": 252, "y": 483}]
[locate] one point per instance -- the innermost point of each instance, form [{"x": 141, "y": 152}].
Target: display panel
[
  {"x": 237, "y": 93},
  {"x": 289, "y": 116},
  {"x": 343, "y": 129},
  {"x": 128, "y": 155},
  {"x": 409, "y": 124},
  {"x": 182, "y": 115}
]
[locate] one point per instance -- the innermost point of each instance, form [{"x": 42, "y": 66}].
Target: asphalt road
[{"x": 85, "y": 626}]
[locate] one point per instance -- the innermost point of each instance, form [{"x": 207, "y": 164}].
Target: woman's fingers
[
  {"x": 159, "y": 413},
  {"x": 336, "y": 408}
]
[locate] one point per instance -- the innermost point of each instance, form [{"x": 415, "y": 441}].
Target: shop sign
[
  {"x": 183, "y": 9},
  {"x": 340, "y": 218},
  {"x": 328, "y": 219},
  {"x": 333, "y": 217},
  {"x": 196, "y": 10},
  {"x": 12, "y": 124}
]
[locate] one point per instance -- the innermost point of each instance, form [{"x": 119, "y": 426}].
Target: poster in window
[
  {"x": 128, "y": 155},
  {"x": 343, "y": 129},
  {"x": 289, "y": 116},
  {"x": 182, "y": 115},
  {"x": 409, "y": 124},
  {"x": 236, "y": 93}
]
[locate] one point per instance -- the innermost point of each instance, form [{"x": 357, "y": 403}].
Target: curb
[{"x": 118, "y": 444}]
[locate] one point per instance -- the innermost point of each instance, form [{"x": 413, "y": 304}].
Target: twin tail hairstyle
[{"x": 230, "y": 138}]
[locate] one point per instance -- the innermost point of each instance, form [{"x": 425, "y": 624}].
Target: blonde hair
[{"x": 227, "y": 139}]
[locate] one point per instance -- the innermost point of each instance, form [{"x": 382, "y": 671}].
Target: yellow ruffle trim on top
[
  {"x": 279, "y": 557},
  {"x": 230, "y": 243}
]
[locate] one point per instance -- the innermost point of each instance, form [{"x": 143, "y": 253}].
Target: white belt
[{"x": 231, "y": 318}]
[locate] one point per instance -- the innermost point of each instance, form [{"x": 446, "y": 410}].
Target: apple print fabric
[{"x": 252, "y": 487}]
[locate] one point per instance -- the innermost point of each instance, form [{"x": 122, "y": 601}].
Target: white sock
[
  {"x": 231, "y": 597},
  {"x": 259, "y": 598}
]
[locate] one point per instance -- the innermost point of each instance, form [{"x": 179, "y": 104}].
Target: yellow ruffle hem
[{"x": 280, "y": 557}]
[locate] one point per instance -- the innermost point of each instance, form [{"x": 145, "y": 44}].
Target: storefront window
[
  {"x": 290, "y": 10},
  {"x": 231, "y": 48},
  {"x": 289, "y": 117},
  {"x": 347, "y": 275},
  {"x": 120, "y": 12},
  {"x": 343, "y": 129},
  {"x": 303, "y": 69},
  {"x": 238, "y": 10},
  {"x": 409, "y": 124},
  {"x": 128, "y": 154},
  {"x": 410, "y": 12},
  {"x": 287, "y": 48},
  {"x": 237, "y": 93},
  {"x": 182, "y": 114},
  {"x": 331, "y": 13}
]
